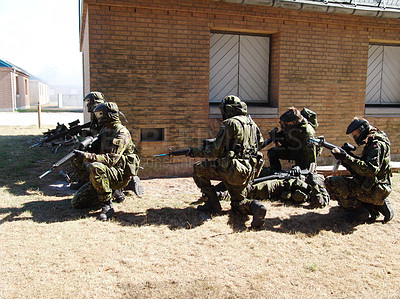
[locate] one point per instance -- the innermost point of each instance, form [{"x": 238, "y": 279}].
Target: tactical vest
[{"x": 246, "y": 144}]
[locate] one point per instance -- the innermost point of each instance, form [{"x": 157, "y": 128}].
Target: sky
[{"x": 42, "y": 37}]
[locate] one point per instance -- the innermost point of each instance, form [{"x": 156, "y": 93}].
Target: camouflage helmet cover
[
  {"x": 290, "y": 115},
  {"x": 231, "y": 106},
  {"x": 92, "y": 99},
  {"x": 106, "y": 112}
]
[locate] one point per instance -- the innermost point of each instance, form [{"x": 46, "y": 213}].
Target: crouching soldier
[
  {"x": 237, "y": 159},
  {"x": 112, "y": 167},
  {"x": 369, "y": 185}
]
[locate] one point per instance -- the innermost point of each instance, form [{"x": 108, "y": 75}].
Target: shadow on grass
[
  {"x": 43, "y": 212},
  {"x": 174, "y": 218},
  {"x": 313, "y": 223},
  {"x": 21, "y": 166}
]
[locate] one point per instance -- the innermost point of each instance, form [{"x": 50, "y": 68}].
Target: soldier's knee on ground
[{"x": 259, "y": 212}]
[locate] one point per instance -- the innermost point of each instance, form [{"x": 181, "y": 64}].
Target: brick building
[
  {"x": 168, "y": 63},
  {"x": 14, "y": 87}
]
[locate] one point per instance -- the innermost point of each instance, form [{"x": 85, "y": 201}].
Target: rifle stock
[{"x": 320, "y": 141}]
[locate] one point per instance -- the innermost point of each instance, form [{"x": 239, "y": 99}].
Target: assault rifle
[
  {"x": 274, "y": 136},
  {"x": 62, "y": 131},
  {"x": 172, "y": 153},
  {"x": 320, "y": 141},
  {"x": 83, "y": 145},
  {"x": 283, "y": 174}
]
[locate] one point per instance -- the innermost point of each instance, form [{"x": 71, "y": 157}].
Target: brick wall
[
  {"x": 6, "y": 89},
  {"x": 152, "y": 58}
]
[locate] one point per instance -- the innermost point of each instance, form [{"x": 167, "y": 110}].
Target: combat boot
[
  {"x": 107, "y": 211},
  {"x": 258, "y": 211},
  {"x": 373, "y": 212},
  {"x": 119, "y": 196},
  {"x": 386, "y": 210},
  {"x": 212, "y": 205},
  {"x": 76, "y": 185}
]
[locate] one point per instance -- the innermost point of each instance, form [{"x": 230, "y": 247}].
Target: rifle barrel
[{"x": 46, "y": 173}]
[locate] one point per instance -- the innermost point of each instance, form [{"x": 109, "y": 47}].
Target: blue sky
[{"x": 42, "y": 37}]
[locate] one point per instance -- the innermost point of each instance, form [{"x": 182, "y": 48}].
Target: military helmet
[
  {"x": 231, "y": 106},
  {"x": 106, "y": 112},
  {"x": 362, "y": 125},
  {"x": 291, "y": 115},
  {"x": 92, "y": 99}
]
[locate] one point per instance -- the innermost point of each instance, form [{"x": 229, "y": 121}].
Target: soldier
[
  {"x": 92, "y": 100},
  {"x": 292, "y": 141},
  {"x": 112, "y": 167},
  {"x": 296, "y": 186},
  {"x": 369, "y": 185},
  {"x": 237, "y": 160}
]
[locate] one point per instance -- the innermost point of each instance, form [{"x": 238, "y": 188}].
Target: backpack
[{"x": 311, "y": 117}]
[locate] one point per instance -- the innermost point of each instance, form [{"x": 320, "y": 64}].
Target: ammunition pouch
[{"x": 132, "y": 165}]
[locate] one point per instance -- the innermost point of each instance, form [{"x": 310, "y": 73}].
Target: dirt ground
[{"x": 159, "y": 246}]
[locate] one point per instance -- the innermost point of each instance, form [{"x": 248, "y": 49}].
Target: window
[
  {"x": 17, "y": 85},
  {"x": 153, "y": 134},
  {"x": 383, "y": 76},
  {"x": 26, "y": 86},
  {"x": 239, "y": 65}
]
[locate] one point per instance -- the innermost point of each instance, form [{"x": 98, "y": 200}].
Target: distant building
[
  {"x": 66, "y": 96},
  {"x": 39, "y": 91},
  {"x": 14, "y": 87}
]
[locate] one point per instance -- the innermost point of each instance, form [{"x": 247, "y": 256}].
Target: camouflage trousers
[
  {"x": 271, "y": 189},
  {"x": 350, "y": 194},
  {"x": 206, "y": 171},
  {"x": 80, "y": 170},
  {"x": 103, "y": 180}
]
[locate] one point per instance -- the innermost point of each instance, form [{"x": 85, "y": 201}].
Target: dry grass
[{"x": 159, "y": 247}]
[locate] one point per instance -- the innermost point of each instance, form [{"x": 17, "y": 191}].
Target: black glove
[
  {"x": 295, "y": 171},
  {"x": 339, "y": 153}
]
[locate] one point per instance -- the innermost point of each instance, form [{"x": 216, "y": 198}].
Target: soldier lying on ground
[{"x": 295, "y": 185}]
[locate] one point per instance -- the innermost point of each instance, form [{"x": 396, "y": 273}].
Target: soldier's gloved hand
[
  {"x": 79, "y": 154},
  {"x": 295, "y": 171},
  {"x": 190, "y": 152},
  {"x": 339, "y": 153}
]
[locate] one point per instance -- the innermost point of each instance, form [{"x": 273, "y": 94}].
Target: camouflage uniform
[
  {"x": 294, "y": 145},
  {"x": 302, "y": 188},
  {"x": 111, "y": 168},
  {"x": 369, "y": 184},
  {"x": 237, "y": 158},
  {"x": 92, "y": 100}
]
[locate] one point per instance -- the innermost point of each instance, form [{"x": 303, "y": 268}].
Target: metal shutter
[
  {"x": 383, "y": 76},
  {"x": 239, "y": 65}
]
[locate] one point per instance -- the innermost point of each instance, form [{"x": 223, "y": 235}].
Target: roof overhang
[{"x": 368, "y": 8}]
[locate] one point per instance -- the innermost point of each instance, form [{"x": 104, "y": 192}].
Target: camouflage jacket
[
  {"x": 235, "y": 148},
  {"x": 296, "y": 139},
  {"x": 373, "y": 168},
  {"x": 116, "y": 147}
]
